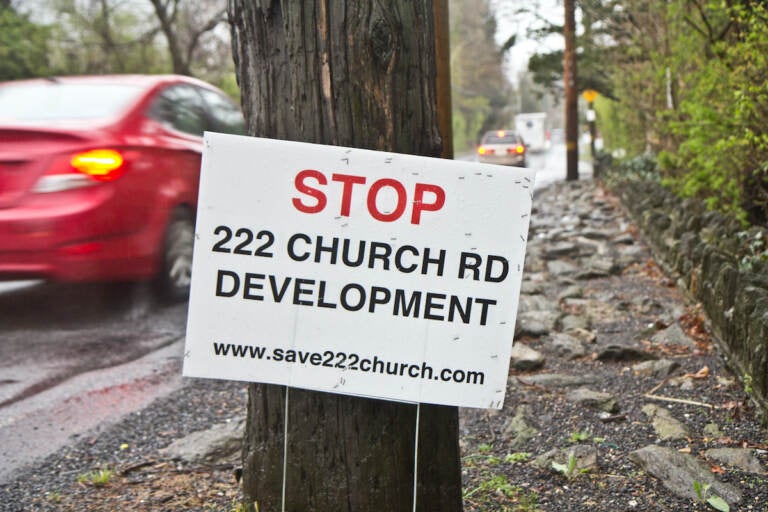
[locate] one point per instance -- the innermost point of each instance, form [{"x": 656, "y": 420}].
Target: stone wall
[{"x": 719, "y": 265}]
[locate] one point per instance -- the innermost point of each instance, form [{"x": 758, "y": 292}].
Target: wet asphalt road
[
  {"x": 79, "y": 357},
  {"x": 549, "y": 165},
  {"x": 75, "y": 357}
]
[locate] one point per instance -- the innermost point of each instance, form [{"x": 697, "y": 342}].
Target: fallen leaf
[
  {"x": 716, "y": 469},
  {"x": 701, "y": 374}
]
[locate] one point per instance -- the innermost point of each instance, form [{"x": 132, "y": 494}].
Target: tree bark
[{"x": 357, "y": 74}]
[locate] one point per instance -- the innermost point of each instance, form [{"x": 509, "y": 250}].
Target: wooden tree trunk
[{"x": 360, "y": 74}]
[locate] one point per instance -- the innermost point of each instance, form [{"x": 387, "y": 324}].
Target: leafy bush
[
  {"x": 722, "y": 118},
  {"x": 640, "y": 168},
  {"x": 690, "y": 83}
]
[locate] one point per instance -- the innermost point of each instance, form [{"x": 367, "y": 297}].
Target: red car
[{"x": 99, "y": 176}]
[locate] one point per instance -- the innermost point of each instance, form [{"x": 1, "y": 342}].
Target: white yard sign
[{"x": 356, "y": 272}]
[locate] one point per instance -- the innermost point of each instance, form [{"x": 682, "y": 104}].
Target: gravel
[{"x": 127, "y": 448}]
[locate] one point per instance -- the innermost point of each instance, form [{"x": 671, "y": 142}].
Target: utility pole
[
  {"x": 362, "y": 75},
  {"x": 571, "y": 93},
  {"x": 589, "y": 96},
  {"x": 443, "y": 58}
]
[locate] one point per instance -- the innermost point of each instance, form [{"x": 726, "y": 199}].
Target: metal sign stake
[
  {"x": 285, "y": 448},
  {"x": 416, "y": 455}
]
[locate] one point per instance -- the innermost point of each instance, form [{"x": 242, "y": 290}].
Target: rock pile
[
  {"x": 720, "y": 263},
  {"x": 617, "y": 398}
]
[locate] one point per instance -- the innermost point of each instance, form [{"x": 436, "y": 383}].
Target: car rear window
[
  {"x": 59, "y": 101},
  {"x": 180, "y": 107},
  {"x": 509, "y": 138},
  {"x": 225, "y": 116}
]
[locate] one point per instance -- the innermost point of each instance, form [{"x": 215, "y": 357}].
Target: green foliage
[
  {"x": 723, "y": 154},
  {"x": 620, "y": 126},
  {"x": 754, "y": 249},
  {"x": 53, "y": 497},
  {"x": 748, "y": 384},
  {"x": 547, "y": 68},
  {"x": 97, "y": 478},
  {"x": 23, "y": 46},
  {"x": 713, "y": 500},
  {"x": 227, "y": 82},
  {"x": 489, "y": 492},
  {"x": 499, "y": 483},
  {"x": 480, "y": 89},
  {"x": 593, "y": 57},
  {"x": 517, "y": 457},
  {"x": 492, "y": 460},
  {"x": 237, "y": 506},
  {"x": 569, "y": 469},
  {"x": 699, "y": 490},
  {"x": 718, "y": 503},
  {"x": 578, "y": 437},
  {"x": 642, "y": 167},
  {"x": 690, "y": 83},
  {"x": 469, "y": 115},
  {"x": 114, "y": 36},
  {"x": 104, "y": 37}
]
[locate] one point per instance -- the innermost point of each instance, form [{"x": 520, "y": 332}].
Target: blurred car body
[
  {"x": 99, "y": 176},
  {"x": 503, "y": 147}
]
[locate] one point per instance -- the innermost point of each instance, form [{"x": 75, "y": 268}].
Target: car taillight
[
  {"x": 82, "y": 169},
  {"x": 99, "y": 164},
  {"x": 520, "y": 149},
  {"x": 485, "y": 151}
]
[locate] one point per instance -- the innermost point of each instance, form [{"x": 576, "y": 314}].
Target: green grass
[
  {"x": 578, "y": 437},
  {"x": 97, "y": 478},
  {"x": 520, "y": 457}
]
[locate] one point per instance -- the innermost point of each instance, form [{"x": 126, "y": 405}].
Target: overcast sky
[{"x": 518, "y": 17}]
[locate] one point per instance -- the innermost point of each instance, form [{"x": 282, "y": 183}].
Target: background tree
[
  {"x": 184, "y": 28},
  {"x": 720, "y": 148},
  {"x": 115, "y": 36},
  {"x": 482, "y": 94},
  {"x": 533, "y": 97},
  {"x": 104, "y": 36},
  {"x": 23, "y": 45},
  {"x": 689, "y": 77},
  {"x": 357, "y": 74},
  {"x": 594, "y": 63},
  {"x": 684, "y": 80}
]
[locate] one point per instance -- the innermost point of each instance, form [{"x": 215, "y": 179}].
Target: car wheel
[{"x": 176, "y": 271}]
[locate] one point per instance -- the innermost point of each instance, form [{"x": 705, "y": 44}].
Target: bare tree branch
[
  {"x": 180, "y": 65},
  {"x": 220, "y": 17}
]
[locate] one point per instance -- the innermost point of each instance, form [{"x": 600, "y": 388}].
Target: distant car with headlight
[
  {"x": 503, "y": 147},
  {"x": 99, "y": 176}
]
